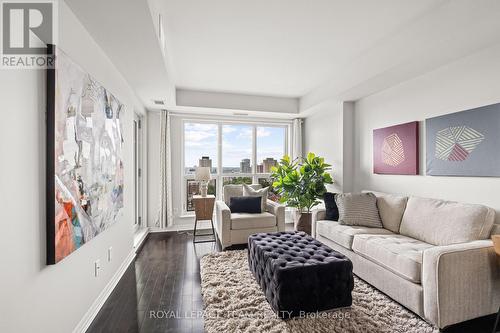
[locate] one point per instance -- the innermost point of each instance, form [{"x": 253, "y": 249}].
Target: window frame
[{"x": 220, "y": 175}]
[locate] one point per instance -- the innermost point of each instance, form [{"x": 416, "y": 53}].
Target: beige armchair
[{"x": 234, "y": 228}]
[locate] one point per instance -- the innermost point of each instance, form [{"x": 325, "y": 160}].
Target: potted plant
[{"x": 301, "y": 183}]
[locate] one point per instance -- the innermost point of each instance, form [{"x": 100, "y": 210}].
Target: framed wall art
[
  {"x": 395, "y": 149},
  {"x": 84, "y": 158},
  {"x": 464, "y": 143}
]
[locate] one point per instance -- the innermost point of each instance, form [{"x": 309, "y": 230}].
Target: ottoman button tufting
[{"x": 312, "y": 277}]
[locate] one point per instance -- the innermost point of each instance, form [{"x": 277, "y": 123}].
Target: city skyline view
[{"x": 200, "y": 140}]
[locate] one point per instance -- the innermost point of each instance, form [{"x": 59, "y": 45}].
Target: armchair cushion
[
  {"x": 250, "y": 205},
  {"x": 241, "y": 221},
  {"x": 260, "y": 193},
  {"x": 236, "y": 191}
]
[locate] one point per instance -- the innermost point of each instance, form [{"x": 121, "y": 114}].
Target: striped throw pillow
[{"x": 358, "y": 209}]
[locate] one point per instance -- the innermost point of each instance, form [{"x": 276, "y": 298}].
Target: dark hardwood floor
[{"x": 163, "y": 284}]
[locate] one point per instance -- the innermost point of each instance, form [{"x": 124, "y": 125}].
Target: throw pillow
[
  {"x": 332, "y": 211},
  {"x": 262, "y": 193},
  {"x": 245, "y": 205},
  {"x": 358, "y": 209}
]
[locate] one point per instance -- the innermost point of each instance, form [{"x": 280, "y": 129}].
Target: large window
[
  {"x": 270, "y": 147},
  {"x": 236, "y": 152},
  {"x": 200, "y": 146}
]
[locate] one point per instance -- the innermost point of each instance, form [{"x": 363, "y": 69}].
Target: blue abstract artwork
[{"x": 464, "y": 143}]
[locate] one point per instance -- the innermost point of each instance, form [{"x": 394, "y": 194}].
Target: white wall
[
  {"x": 36, "y": 297},
  {"x": 468, "y": 83},
  {"x": 324, "y": 135}
]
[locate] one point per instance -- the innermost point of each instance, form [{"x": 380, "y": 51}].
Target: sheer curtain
[
  {"x": 291, "y": 214},
  {"x": 164, "y": 218},
  {"x": 297, "y": 138}
]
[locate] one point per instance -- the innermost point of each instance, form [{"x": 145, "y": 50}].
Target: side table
[{"x": 204, "y": 210}]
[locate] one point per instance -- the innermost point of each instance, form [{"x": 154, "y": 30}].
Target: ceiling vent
[
  {"x": 240, "y": 114},
  {"x": 158, "y": 102}
]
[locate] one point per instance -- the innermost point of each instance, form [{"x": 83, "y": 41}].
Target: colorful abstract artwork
[
  {"x": 84, "y": 158},
  {"x": 464, "y": 143},
  {"x": 395, "y": 149}
]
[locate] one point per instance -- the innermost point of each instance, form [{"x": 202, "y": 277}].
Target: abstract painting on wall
[
  {"x": 395, "y": 149},
  {"x": 464, "y": 143},
  {"x": 84, "y": 158}
]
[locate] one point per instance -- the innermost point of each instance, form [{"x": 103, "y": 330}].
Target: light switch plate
[{"x": 97, "y": 267}]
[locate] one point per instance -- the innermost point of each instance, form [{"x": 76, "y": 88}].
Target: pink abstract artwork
[{"x": 395, "y": 149}]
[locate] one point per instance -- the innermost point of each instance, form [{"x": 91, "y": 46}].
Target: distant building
[
  {"x": 205, "y": 161},
  {"x": 245, "y": 166},
  {"x": 268, "y": 163},
  {"x": 260, "y": 168}
]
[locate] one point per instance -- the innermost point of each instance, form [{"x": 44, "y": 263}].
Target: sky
[{"x": 201, "y": 140}]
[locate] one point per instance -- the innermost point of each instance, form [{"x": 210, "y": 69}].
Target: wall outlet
[
  {"x": 110, "y": 253},
  {"x": 97, "y": 267}
]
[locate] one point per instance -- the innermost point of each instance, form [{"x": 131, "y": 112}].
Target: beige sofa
[
  {"x": 234, "y": 228},
  {"x": 434, "y": 257}
]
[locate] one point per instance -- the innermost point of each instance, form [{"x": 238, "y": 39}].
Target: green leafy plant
[{"x": 301, "y": 182}]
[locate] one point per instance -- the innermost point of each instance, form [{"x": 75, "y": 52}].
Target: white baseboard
[
  {"x": 87, "y": 319},
  {"x": 140, "y": 237},
  {"x": 202, "y": 225}
]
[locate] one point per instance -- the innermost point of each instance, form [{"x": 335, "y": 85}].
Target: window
[
  {"x": 200, "y": 146},
  {"x": 270, "y": 147},
  {"x": 236, "y": 152},
  {"x": 237, "y": 148}
]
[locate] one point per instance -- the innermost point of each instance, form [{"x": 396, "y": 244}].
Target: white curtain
[
  {"x": 291, "y": 214},
  {"x": 164, "y": 218},
  {"x": 297, "y": 138}
]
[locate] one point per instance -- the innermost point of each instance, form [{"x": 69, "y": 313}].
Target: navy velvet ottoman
[{"x": 299, "y": 274}]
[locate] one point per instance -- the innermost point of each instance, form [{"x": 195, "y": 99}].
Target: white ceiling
[
  {"x": 279, "y": 47},
  {"x": 314, "y": 50},
  {"x": 124, "y": 29}
]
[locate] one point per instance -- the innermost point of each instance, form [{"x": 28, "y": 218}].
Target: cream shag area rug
[{"x": 234, "y": 302}]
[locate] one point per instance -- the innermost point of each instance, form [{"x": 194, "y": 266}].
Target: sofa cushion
[
  {"x": 236, "y": 191},
  {"x": 241, "y": 221},
  {"x": 400, "y": 254},
  {"x": 344, "y": 234},
  {"x": 332, "y": 211},
  {"x": 358, "y": 209},
  {"x": 442, "y": 222},
  {"x": 391, "y": 208}
]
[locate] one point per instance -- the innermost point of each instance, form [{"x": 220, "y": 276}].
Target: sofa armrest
[
  {"x": 318, "y": 214},
  {"x": 460, "y": 282},
  {"x": 223, "y": 223},
  {"x": 277, "y": 210}
]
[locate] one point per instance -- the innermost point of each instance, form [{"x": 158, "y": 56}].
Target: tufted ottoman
[{"x": 299, "y": 274}]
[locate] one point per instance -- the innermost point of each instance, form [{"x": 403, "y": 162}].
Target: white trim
[
  {"x": 140, "y": 237},
  {"x": 231, "y": 119},
  {"x": 202, "y": 225},
  {"x": 94, "y": 309}
]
